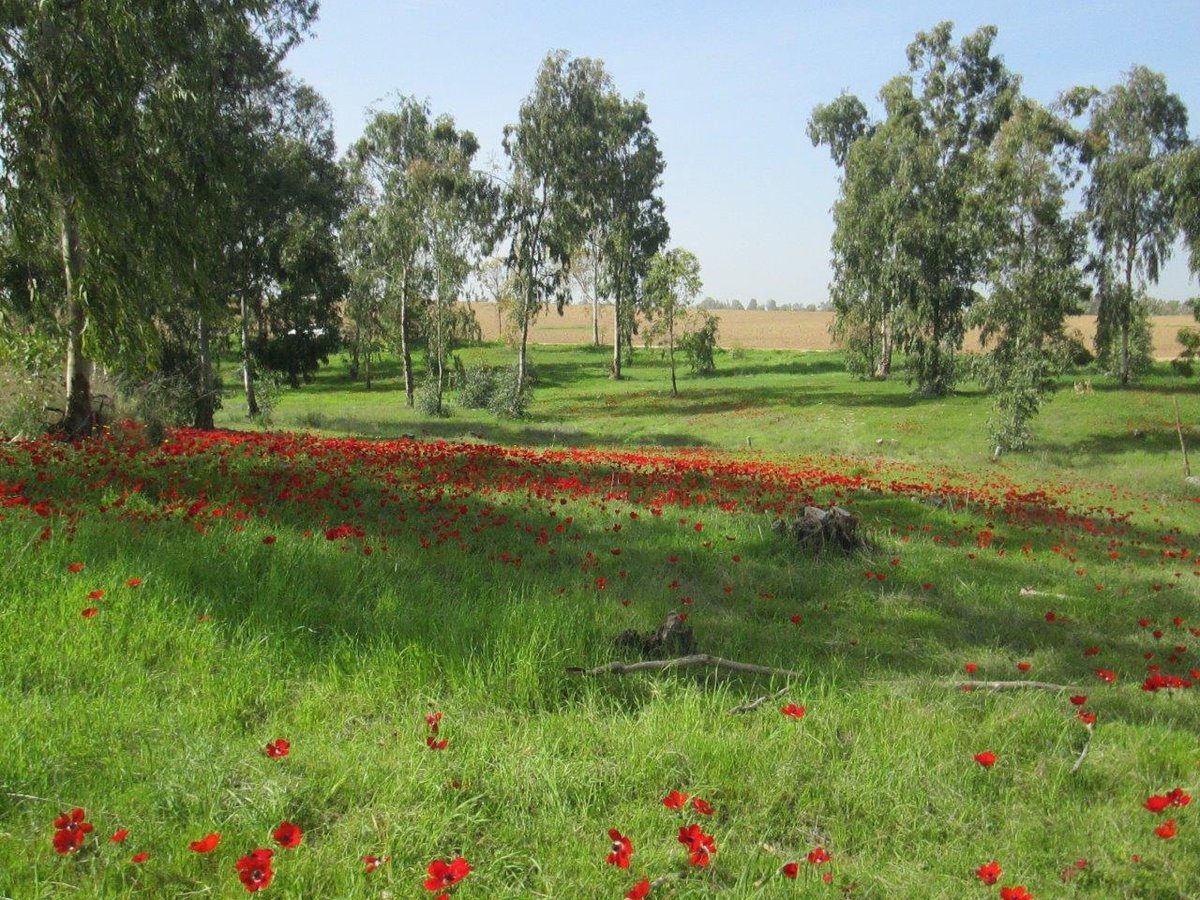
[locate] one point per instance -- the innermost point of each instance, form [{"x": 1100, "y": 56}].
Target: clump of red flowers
[
  {"x": 70, "y": 831},
  {"x": 700, "y": 846},
  {"x": 432, "y": 722}
]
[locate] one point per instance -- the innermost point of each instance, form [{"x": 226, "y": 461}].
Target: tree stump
[
  {"x": 818, "y": 528},
  {"x": 671, "y": 638}
]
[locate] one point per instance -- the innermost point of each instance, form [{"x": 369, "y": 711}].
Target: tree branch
[
  {"x": 681, "y": 662},
  {"x": 755, "y": 704},
  {"x": 1014, "y": 685},
  {"x": 1087, "y": 745}
]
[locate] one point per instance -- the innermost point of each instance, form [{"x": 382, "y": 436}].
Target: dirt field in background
[{"x": 781, "y": 330}]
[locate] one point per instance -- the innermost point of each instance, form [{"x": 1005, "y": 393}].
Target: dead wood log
[{"x": 681, "y": 662}]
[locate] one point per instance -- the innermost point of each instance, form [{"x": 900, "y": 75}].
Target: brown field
[{"x": 781, "y": 330}]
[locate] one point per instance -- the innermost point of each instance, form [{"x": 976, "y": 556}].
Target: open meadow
[{"x": 372, "y": 640}]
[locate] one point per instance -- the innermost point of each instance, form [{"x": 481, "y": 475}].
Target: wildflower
[
  {"x": 278, "y": 748},
  {"x": 287, "y": 835},
  {"x": 699, "y": 845},
  {"x": 675, "y": 800},
  {"x": 206, "y": 844},
  {"x": 796, "y": 712},
  {"x": 989, "y": 873},
  {"x": 987, "y": 759},
  {"x": 254, "y": 871},
  {"x": 622, "y": 849},
  {"x": 444, "y": 874}
]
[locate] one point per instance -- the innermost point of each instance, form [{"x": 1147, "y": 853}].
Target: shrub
[
  {"x": 476, "y": 386},
  {"x": 431, "y": 399},
  {"x": 700, "y": 344},
  {"x": 510, "y": 399},
  {"x": 1189, "y": 339}
]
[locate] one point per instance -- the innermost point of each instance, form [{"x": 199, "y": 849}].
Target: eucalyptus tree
[
  {"x": 943, "y": 113},
  {"x": 629, "y": 212},
  {"x": 552, "y": 147},
  {"x": 672, "y": 283},
  {"x": 382, "y": 161},
  {"x": 875, "y": 274},
  {"x": 106, "y": 131},
  {"x": 432, "y": 218},
  {"x": 1034, "y": 274},
  {"x": 302, "y": 198},
  {"x": 1137, "y": 129}
]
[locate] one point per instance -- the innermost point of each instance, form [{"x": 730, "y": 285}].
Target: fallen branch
[
  {"x": 755, "y": 704},
  {"x": 1030, "y": 592},
  {"x": 1014, "y": 685},
  {"x": 681, "y": 662},
  {"x": 1087, "y": 745}
]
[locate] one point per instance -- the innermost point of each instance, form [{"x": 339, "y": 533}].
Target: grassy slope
[{"x": 155, "y": 720}]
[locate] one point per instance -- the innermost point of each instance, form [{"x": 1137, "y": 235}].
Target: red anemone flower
[
  {"x": 206, "y": 844},
  {"x": 254, "y": 871},
  {"x": 1166, "y": 830},
  {"x": 444, "y": 874},
  {"x": 818, "y": 856},
  {"x": 622, "y": 849},
  {"x": 796, "y": 712},
  {"x": 374, "y": 862},
  {"x": 790, "y": 870},
  {"x": 639, "y": 891},
  {"x": 1015, "y": 893},
  {"x": 675, "y": 800},
  {"x": 278, "y": 748},
  {"x": 139, "y": 858},
  {"x": 989, "y": 873},
  {"x": 987, "y": 759},
  {"x": 119, "y": 836},
  {"x": 702, "y": 806},
  {"x": 288, "y": 835}
]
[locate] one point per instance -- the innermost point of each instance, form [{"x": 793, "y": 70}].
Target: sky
[{"x": 729, "y": 87}]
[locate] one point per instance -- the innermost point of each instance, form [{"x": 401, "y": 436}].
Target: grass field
[
  {"x": 778, "y": 329},
  {"x": 309, "y": 585}
]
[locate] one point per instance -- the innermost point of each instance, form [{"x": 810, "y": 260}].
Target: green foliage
[
  {"x": 1189, "y": 339},
  {"x": 699, "y": 343},
  {"x": 511, "y": 396},
  {"x": 431, "y": 400},
  {"x": 476, "y": 386},
  {"x": 1135, "y": 137},
  {"x": 907, "y": 245},
  {"x": 1133, "y": 326}
]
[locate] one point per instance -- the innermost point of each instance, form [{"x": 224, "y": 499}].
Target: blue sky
[{"x": 729, "y": 86}]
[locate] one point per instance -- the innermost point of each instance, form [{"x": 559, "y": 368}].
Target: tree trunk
[
  {"x": 885, "y": 351},
  {"x": 1125, "y": 319},
  {"x": 247, "y": 365},
  {"x": 204, "y": 386},
  {"x": 405, "y": 350},
  {"x": 615, "y": 372},
  {"x": 671, "y": 355},
  {"x": 595, "y": 320},
  {"x": 79, "y": 415},
  {"x": 523, "y": 351},
  {"x": 367, "y": 367}
]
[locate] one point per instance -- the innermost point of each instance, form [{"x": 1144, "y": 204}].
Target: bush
[
  {"x": 510, "y": 399},
  {"x": 1141, "y": 343},
  {"x": 476, "y": 386},
  {"x": 1078, "y": 355},
  {"x": 1189, "y": 339},
  {"x": 431, "y": 398},
  {"x": 700, "y": 344}
]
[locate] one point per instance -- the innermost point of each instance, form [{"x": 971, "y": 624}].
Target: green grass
[{"x": 153, "y": 715}]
